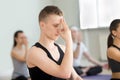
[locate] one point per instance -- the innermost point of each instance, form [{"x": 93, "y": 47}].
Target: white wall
[
  {"x": 91, "y": 37},
  {"x": 15, "y": 15},
  {"x": 70, "y": 9}
]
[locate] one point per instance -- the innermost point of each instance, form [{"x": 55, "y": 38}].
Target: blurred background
[{"x": 91, "y": 16}]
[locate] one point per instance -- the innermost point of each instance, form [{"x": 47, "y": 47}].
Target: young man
[{"x": 47, "y": 60}]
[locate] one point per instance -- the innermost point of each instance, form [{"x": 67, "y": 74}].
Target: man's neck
[{"x": 47, "y": 42}]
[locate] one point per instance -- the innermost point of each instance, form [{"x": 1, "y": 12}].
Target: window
[{"x": 98, "y": 13}]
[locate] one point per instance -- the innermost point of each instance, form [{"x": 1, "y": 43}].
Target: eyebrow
[{"x": 56, "y": 24}]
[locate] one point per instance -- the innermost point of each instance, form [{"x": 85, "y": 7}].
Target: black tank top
[
  {"x": 114, "y": 65},
  {"x": 37, "y": 74}
]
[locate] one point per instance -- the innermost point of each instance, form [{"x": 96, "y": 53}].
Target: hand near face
[
  {"x": 25, "y": 41},
  {"x": 65, "y": 32},
  {"x": 79, "y": 37}
]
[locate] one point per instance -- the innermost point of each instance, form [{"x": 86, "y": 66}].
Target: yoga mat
[{"x": 97, "y": 77}]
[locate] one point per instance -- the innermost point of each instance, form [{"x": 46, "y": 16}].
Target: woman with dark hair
[
  {"x": 113, "y": 52},
  {"x": 18, "y": 55}
]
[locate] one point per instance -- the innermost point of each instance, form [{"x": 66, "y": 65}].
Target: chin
[{"x": 55, "y": 38}]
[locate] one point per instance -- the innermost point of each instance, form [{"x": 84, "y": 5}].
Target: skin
[
  {"x": 114, "y": 53},
  {"x": 18, "y": 52},
  {"x": 53, "y": 27},
  {"x": 21, "y": 40},
  {"x": 77, "y": 38}
]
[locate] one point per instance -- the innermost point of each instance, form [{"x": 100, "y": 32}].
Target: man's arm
[
  {"x": 75, "y": 76},
  {"x": 77, "y": 51},
  {"x": 91, "y": 59}
]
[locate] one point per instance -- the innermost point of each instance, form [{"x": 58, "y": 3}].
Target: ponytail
[
  {"x": 110, "y": 40},
  {"x": 15, "y": 43}
]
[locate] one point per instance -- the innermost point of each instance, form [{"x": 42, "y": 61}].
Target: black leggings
[
  {"x": 92, "y": 71},
  {"x": 20, "y": 78}
]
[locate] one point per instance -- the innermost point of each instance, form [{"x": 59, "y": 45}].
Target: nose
[
  {"x": 58, "y": 31},
  {"x": 58, "y": 28}
]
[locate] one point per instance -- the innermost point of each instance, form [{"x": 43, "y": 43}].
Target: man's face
[
  {"x": 74, "y": 34},
  {"x": 51, "y": 26}
]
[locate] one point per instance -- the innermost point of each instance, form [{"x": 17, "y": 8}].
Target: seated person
[
  {"x": 80, "y": 50},
  {"x": 18, "y": 55}
]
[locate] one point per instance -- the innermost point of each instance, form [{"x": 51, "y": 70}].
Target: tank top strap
[
  {"x": 48, "y": 53},
  {"x": 116, "y": 47},
  {"x": 43, "y": 48},
  {"x": 60, "y": 50},
  {"x": 61, "y": 53}
]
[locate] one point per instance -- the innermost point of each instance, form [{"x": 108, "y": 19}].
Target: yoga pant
[
  {"x": 79, "y": 70},
  {"x": 20, "y": 78},
  {"x": 92, "y": 71}
]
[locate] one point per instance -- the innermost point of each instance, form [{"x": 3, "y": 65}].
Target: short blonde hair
[{"x": 48, "y": 10}]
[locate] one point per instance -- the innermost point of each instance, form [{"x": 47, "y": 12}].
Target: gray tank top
[{"x": 20, "y": 69}]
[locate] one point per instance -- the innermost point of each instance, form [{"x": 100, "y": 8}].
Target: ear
[
  {"x": 42, "y": 24},
  {"x": 114, "y": 33}
]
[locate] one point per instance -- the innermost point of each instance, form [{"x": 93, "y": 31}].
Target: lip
[{"x": 56, "y": 34}]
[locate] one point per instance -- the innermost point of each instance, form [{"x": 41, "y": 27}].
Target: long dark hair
[
  {"x": 113, "y": 26},
  {"x": 15, "y": 36}
]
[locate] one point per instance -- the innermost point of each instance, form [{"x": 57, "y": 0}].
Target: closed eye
[{"x": 56, "y": 25}]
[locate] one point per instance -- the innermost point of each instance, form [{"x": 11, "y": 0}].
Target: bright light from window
[
  {"x": 98, "y": 13},
  {"x": 107, "y": 11},
  {"x": 88, "y": 14}
]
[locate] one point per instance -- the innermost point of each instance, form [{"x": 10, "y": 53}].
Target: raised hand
[
  {"x": 25, "y": 41},
  {"x": 65, "y": 32},
  {"x": 79, "y": 37}
]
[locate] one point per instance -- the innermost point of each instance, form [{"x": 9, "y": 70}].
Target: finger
[
  {"x": 64, "y": 22},
  {"x": 61, "y": 24},
  {"x": 64, "y": 25}
]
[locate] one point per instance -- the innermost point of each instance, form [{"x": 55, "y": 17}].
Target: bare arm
[
  {"x": 75, "y": 76},
  {"x": 18, "y": 56},
  {"x": 22, "y": 56},
  {"x": 92, "y": 60},
  {"x": 77, "y": 51},
  {"x": 113, "y": 53}
]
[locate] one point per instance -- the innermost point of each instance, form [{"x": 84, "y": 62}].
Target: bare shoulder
[
  {"x": 32, "y": 50},
  {"x": 112, "y": 52},
  {"x": 34, "y": 53},
  {"x": 13, "y": 51}
]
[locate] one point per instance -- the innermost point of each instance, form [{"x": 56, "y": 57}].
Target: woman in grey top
[{"x": 18, "y": 55}]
